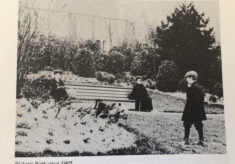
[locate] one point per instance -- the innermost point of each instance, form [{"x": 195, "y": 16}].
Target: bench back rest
[{"x": 98, "y": 92}]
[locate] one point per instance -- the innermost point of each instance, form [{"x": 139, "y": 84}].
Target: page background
[{"x": 8, "y": 51}]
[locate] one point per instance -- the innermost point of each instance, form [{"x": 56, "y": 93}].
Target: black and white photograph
[{"x": 118, "y": 77}]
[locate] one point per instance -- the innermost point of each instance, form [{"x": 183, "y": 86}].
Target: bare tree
[{"x": 27, "y": 35}]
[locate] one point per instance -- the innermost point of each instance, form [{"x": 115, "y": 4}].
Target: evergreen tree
[{"x": 185, "y": 39}]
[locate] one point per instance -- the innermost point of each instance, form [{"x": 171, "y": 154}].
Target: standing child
[{"x": 194, "y": 112}]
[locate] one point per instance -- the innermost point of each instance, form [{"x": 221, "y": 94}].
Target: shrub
[
  {"x": 99, "y": 76},
  {"x": 105, "y": 77},
  {"x": 137, "y": 65},
  {"x": 38, "y": 88},
  {"x": 119, "y": 81},
  {"x": 168, "y": 77},
  {"x": 120, "y": 76},
  {"x": 71, "y": 51},
  {"x": 83, "y": 63},
  {"x": 100, "y": 62},
  {"x": 114, "y": 63},
  {"x": 218, "y": 89},
  {"x": 207, "y": 82},
  {"x": 127, "y": 50},
  {"x": 182, "y": 85},
  {"x": 150, "y": 84},
  {"x": 124, "y": 77},
  {"x": 213, "y": 98},
  {"x": 128, "y": 77},
  {"x": 145, "y": 63},
  {"x": 110, "y": 79}
]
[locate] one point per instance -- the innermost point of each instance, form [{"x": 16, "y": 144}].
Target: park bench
[{"x": 98, "y": 93}]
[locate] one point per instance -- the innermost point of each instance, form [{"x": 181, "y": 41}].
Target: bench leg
[
  {"x": 58, "y": 112},
  {"x": 96, "y": 103},
  {"x": 59, "y": 108}
]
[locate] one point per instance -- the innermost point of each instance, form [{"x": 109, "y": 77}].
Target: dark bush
[
  {"x": 38, "y": 88},
  {"x": 182, "y": 85},
  {"x": 207, "y": 82},
  {"x": 99, "y": 76},
  {"x": 111, "y": 79},
  {"x": 168, "y": 77},
  {"x": 218, "y": 89},
  {"x": 150, "y": 84},
  {"x": 120, "y": 75},
  {"x": 83, "y": 63},
  {"x": 213, "y": 98},
  {"x": 100, "y": 62},
  {"x": 145, "y": 63},
  {"x": 115, "y": 62},
  {"x": 105, "y": 77},
  {"x": 136, "y": 68}
]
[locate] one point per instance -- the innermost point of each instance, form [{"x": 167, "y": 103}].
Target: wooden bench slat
[
  {"x": 113, "y": 100},
  {"x": 105, "y": 99},
  {"x": 99, "y": 95},
  {"x": 95, "y": 86},
  {"x": 99, "y": 92},
  {"x": 99, "y": 89}
]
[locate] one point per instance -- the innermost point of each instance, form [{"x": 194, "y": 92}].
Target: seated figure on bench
[
  {"x": 143, "y": 101},
  {"x": 58, "y": 91}
]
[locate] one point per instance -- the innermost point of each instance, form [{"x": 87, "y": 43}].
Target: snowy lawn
[
  {"x": 75, "y": 129},
  {"x": 166, "y": 130}
]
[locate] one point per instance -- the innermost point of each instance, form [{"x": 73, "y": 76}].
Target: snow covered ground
[{"x": 75, "y": 129}]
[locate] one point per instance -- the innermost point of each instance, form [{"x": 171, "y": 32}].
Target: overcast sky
[{"x": 150, "y": 11}]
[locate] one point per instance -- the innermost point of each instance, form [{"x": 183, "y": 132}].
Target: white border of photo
[{"x": 8, "y": 51}]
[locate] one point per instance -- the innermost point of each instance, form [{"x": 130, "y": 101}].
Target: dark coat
[
  {"x": 57, "y": 91},
  {"x": 143, "y": 100},
  {"x": 194, "y": 107},
  {"x": 139, "y": 92}
]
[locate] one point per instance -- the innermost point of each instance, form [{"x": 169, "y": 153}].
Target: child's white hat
[{"x": 192, "y": 74}]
